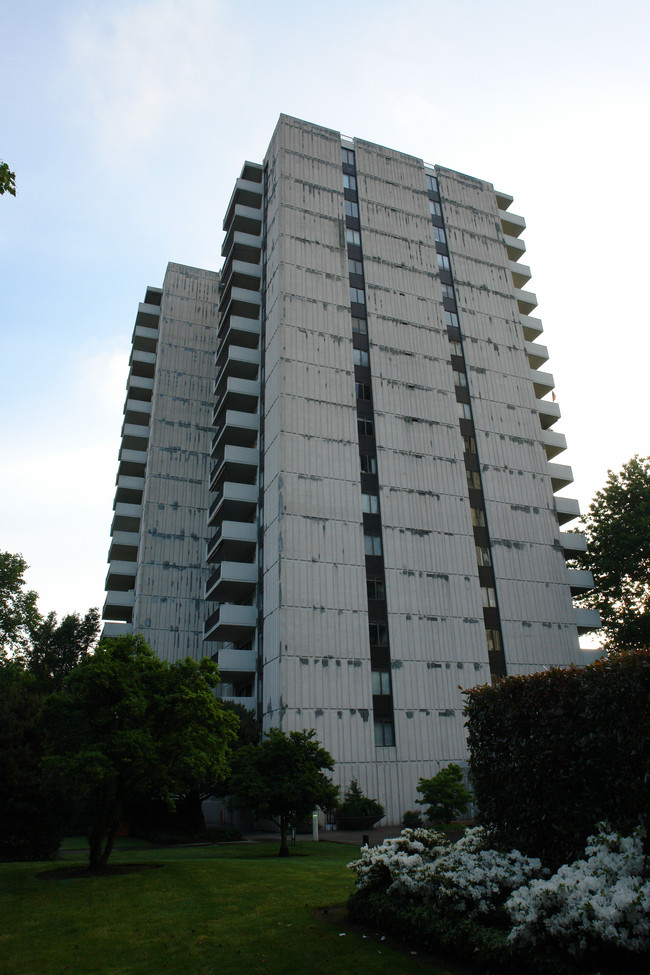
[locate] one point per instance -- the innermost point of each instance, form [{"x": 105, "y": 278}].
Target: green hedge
[{"x": 554, "y": 753}]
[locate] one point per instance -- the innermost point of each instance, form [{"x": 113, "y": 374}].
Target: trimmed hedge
[{"x": 554, "y": 753}]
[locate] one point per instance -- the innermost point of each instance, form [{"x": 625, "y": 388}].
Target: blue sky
[{"x": 127, "y": 124}]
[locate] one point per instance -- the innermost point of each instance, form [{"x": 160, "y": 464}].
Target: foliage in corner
[
  {"x": 617, "y": 529},
  {"x": 19, "y": 614},
  {"x": 552, "y": 754},
  {"x": 7, "y": 180}
]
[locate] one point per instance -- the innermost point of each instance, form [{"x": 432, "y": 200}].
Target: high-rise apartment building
[{"x": 382, "y": 521}]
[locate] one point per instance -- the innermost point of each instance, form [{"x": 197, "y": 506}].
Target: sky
[{"x": 127, "y": 123}]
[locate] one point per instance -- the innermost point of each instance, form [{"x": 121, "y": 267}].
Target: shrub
[
  {"x": 357, "y": 806},
  {"x": 554, "y": 753},
  {"x": 411, "y": 819},
  {"x": 444, "y": 794}
]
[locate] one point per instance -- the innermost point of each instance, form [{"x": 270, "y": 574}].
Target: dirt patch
[{"x": 113, "y": 870}]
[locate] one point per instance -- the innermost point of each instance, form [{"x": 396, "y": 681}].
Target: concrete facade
[{"x": 384, "y": 529}]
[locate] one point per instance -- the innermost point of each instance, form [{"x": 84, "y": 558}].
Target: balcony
[
  {"x": 537, "y": 354},
  {"x": 233, "y": 501},
  {"x": 240, "y": 302},
  {"x": 139, "y": 387},
  {"x": 137, "y": 412},
  {"x": 134, "y": 436},
  {"x": 573, "y": 543},
  {"x": 526, "y": 301},
  {"x": 148, "y": 315},
  {"x": 512, "y": 224},
  {"x": 532, "y": 327},
  {"x": 561, "y": 476},
  {"x": 247, "y": 195},
  {"x": 235, "y": 464},
  {"x": 241, "y": 274},
  {"x": 126, "y": 517},
  {"x": 503, "y": 200},
  {"x": 124, "y": 546},
  {"x": 246, "y": 219},
  {"x": 237, "y": 362},
  {"x": 580, "y": 580},
  {"x": 566, "y": 509},
  {"x": 243, "y": 247},
  {"x": 232, "y": 582},
  {"x": 586, "y": 620},
  {"x": 554, "y": 443},
  {"x": 116, "y": 629},
  {"x": 231, "y": 624},
  {"x": 129, "y": 489},
  {"x": 239, "y": 429},
  {"x": 514, "y": 247},
  {"x": 119, "y": 606},
  {"x": 235, "y": 330},
  {"x": 549, "y": 412},
  {"x": 132, "y": 462},
  {"x": 543, "y": 382},
  {"x": 120, "y": 576},
  {"x": 233, "y": 540},
  {"x": 236, "y": 394},
  {"x": 521, "y": 274},
  {"x": 236, "y": 666},
  {"x": 145, "y": 339},
  {"x": 142, "y": 363}
]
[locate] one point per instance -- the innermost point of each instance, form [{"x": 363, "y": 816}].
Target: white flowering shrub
[
  {"x": 603, "y": 899},
  {"x": 466, "y": 876}
]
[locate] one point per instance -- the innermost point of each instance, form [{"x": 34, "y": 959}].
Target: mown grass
[{"x": 208, "y": 910}]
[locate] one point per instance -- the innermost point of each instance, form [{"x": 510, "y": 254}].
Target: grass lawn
[{"x": 217, "y": 910}]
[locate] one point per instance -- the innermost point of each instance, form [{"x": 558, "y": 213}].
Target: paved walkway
[{"x": 351, "y": 837}]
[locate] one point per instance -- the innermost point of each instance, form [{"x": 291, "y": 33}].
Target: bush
[
  {"x": 554, "y": 753},
  {"x": 444, "y": 794},
  {"x": 411, "y": 819},
  {"x": 357, "y": 807}
]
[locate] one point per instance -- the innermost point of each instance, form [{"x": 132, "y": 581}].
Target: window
[
  {"x": 456, "y": 347},
  {"x": 375, "y": 587},
  {"x": 432, "y": 183},
  {"x": 378, "y": 633},
  {"x": 368, "y": 464},
  {"x": 353, "y": 237},
  {"x": 355, "y": 267},
  {"x": 478, "y": 517},
  {"x": 451, "y": 319},
  {"x": 448, "y": 292},
  {"x": 351, "y": 209},
  {"x": 469, "y": 445},
  {"x": 366, "y": 427},
  {"x": 361, "y": 357},
  {"x": 489, "y": 596},
  {"x": 384, "y": 734},
  {"x": 363, "y": 390},
  {"x": 460, "y": 379},
  {"x": 483, "y": 556},
  {"x": 443, "y": 262},
  {"x": 359, "y": 325},
  {"x": 349, "y": 182},
  {"x": 347, "y": 156},
  {"x": 439, "y": 235},
  {"x": 369, "y": 504},
  {"x": 380, "y": 682},
  {"x": 493, "y": 638},
  {"x": 356, "y": 294},
  {"x": 372, "y": 543},
  {"x": 464, "y": 411},
  {"x": 435, "y": 209},
  {"x": 473, "y": 480}
]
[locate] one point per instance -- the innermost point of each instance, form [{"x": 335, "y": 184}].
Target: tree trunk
[
  {"x": 95, "y": 840},
  {"x": 284, "y": 830}
]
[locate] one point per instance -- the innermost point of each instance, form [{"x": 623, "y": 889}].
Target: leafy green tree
[
  {"x": 7, "y": 180},
  {"x": 126, "y": 724},
  {"x": 356, "y": 805},
  {"x": 617, "y": 529},
  {"x": 282, "y": 779},
  {"x": 55, "y": 649},
  {"x": 19, "y": 614},
  {"x": 444, "y": 794}
]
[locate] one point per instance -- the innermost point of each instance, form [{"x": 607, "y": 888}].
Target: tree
[
  {"x": 7, "y": 180},
  {"x": 126, "y": 724},
  {"x": 617, "y": 529},
  {"x": 55, "y": 649},
  {"x": 19, "y": 615},
  {"x": 282, "y": 779},
  {"x": 444, "y": 794}
]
